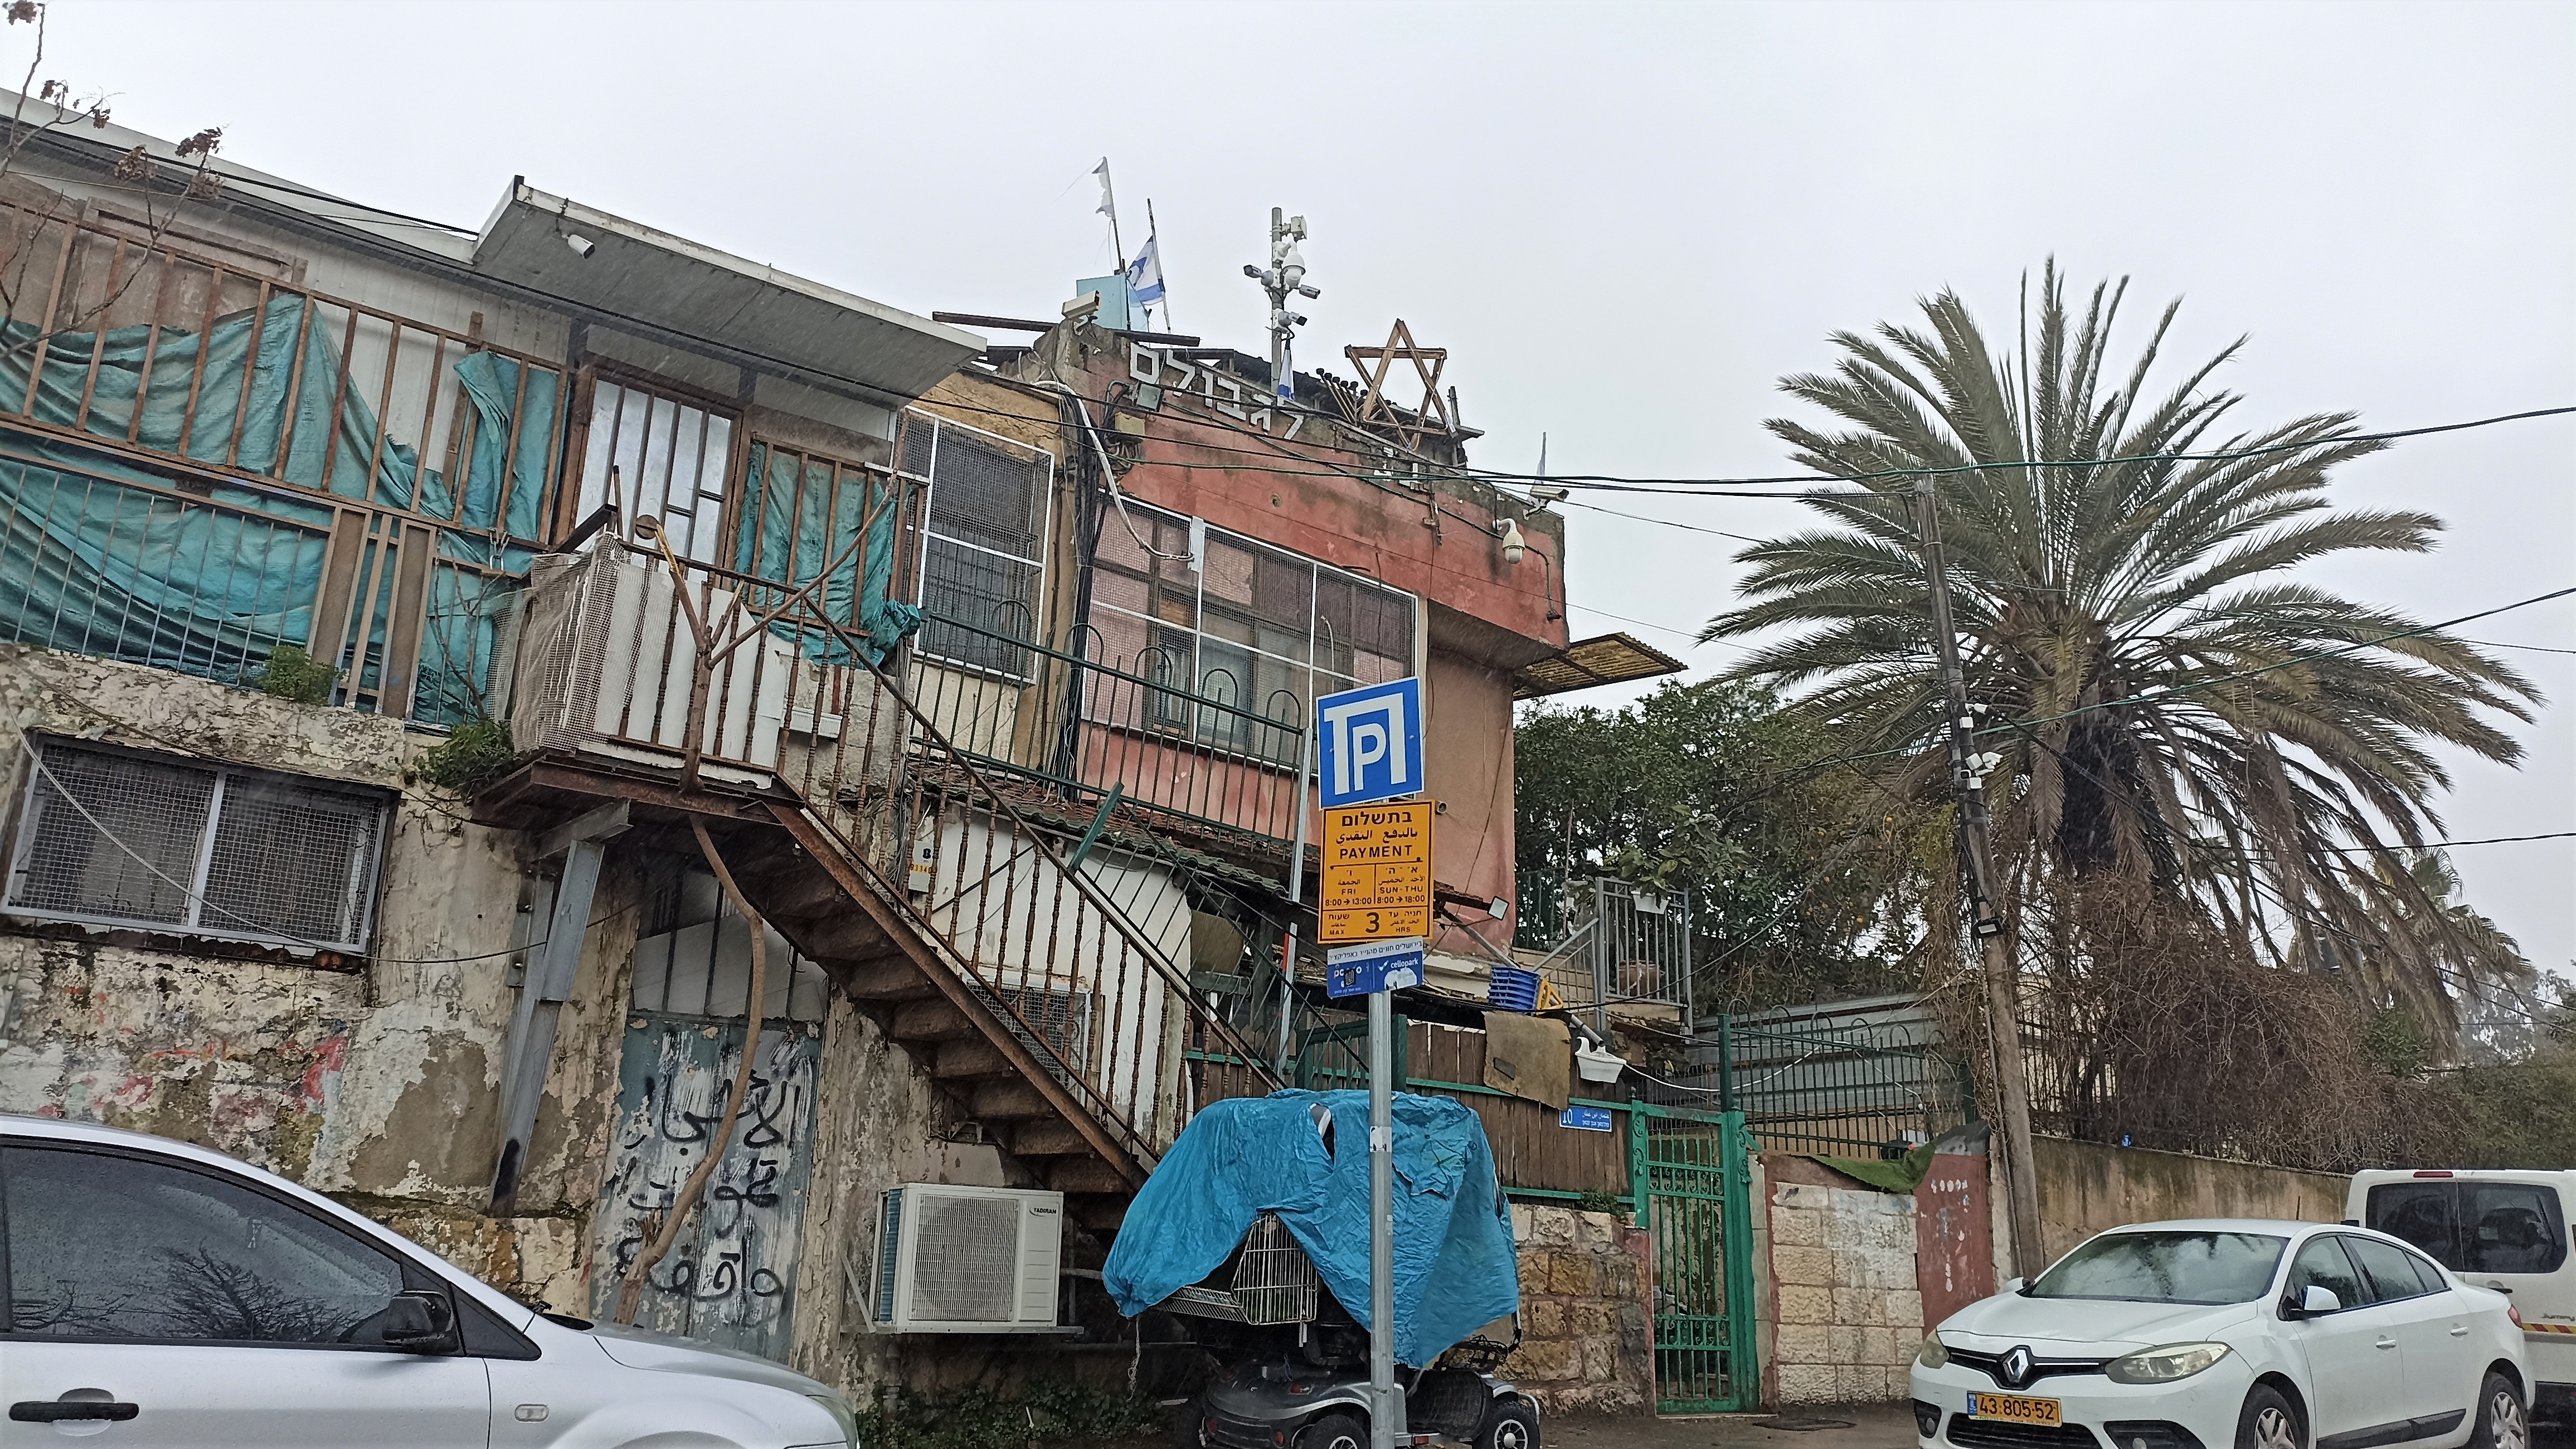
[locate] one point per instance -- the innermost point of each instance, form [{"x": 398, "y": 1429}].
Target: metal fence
[
  {"x": 1607, "y": 943},
  {"x": 1855, "y": 1079}
]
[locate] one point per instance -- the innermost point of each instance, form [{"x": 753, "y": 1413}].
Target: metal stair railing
[{"x": 1069, "y": 935}]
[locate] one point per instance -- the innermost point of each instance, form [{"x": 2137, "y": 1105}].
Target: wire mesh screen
[
  {"x": 980, "y": 606},
  {"x": 1061, "y": 1018},
  {"x": 292, "y": 859},
  {"x": 127, "y": 858},
  {"x": 119, "y": 838}
]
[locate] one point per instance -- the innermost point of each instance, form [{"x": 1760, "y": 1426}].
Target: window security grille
[
  {"x": 115, "y": 838},
  {"x": 984, "y": 560},
  {"x": 1061, "y": 1018}
]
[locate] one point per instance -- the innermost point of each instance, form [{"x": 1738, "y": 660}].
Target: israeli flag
[{"x": 1145, "y": 274}]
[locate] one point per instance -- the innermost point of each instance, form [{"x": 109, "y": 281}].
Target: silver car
[{"x": 161, "y": 1295}]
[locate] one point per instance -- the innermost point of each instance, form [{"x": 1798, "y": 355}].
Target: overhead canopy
[
  {"x": 1587, "y": 663},
  {"x": 831, "y": 337}
]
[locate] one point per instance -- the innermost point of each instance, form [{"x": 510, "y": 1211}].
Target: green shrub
[
  {"x": 475, "y": 754},
  {"x": 1047, "y": 1412},
  {"x": 291, "y": 673}
]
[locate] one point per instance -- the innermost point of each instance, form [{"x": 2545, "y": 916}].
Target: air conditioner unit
[{"x": 967, "y": 1260}]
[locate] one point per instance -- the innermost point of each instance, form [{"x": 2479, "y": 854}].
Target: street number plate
[{"x": 2013, "y": 1409}]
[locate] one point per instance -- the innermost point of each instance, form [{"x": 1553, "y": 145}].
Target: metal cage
[{"x": 1274, "y": 1280}]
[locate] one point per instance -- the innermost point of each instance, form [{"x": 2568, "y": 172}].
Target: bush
[
  {"x": 474, "y": 755},
  {"x": 292, "y": 674},
  {"x": 1052, "y": 1411}
]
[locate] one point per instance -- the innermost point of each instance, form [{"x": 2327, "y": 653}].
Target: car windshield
[{"x": 2192, "y": 1267}]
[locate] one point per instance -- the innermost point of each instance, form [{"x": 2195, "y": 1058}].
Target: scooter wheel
[
  {"x": 1509, "y": 1424},
  {"x": 1334, "y": 1431}
]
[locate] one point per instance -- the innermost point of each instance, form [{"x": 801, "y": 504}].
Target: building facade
[{"x": 444, "y": 672}]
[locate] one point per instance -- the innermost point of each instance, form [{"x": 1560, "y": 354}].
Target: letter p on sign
[{"x": 1369, "y": 743}]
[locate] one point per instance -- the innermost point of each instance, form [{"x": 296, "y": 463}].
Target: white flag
[{"x": 1108, "y": 203}]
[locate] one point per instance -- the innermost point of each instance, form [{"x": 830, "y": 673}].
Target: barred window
[
  {"x": 115, "y": 837},
  {"x": 693, "y": 953},
  {"x": 1244, "y": 640},
  {"x": 985, "y": 557}
]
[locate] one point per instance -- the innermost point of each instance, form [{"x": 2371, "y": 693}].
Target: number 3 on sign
[{"x": 1376, "y": 923}]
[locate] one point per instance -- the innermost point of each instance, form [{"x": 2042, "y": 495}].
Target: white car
[
  {"x": 161, "y": 1295},
  {"x": 2218, "y": 1333}
]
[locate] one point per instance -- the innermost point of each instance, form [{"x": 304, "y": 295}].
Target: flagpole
[
  {"x": 1154, "y": 230},
  {"x": 1109, "y": 203}
]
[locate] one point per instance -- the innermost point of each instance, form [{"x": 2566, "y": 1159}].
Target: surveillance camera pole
[
  {"x": 1285, "y": 275},
  {"x": 1967, "y": 788}
]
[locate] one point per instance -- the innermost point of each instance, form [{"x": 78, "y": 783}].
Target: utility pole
[
  {"x": 1286, "y": 275},
  {"x": 1967, "y": 788}
]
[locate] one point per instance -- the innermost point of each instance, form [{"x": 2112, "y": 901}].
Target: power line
[{"x": 2232, "y": 676}]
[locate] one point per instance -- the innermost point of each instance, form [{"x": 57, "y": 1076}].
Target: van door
[{"x": 2500, "y": 1232}]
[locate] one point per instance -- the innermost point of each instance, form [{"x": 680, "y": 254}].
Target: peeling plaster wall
[
  {"x": 878, "y": 1123},
  {"x": 378, "y": 1084}
]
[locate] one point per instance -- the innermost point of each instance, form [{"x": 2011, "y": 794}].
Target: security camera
[
  {"x": 582, "y": 246},
  {"x": 1309, "y": 293},
  {"x": 1252, "y": 271},
  {"x": 1550, "y": 495}
]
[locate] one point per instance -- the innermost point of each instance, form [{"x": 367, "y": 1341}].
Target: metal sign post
[
  {"x": 1386, "y": 1406},
  {"x": 1376, "y": 888}
]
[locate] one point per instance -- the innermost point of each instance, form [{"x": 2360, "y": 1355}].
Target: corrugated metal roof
[{"x": 1589, "y": 663}]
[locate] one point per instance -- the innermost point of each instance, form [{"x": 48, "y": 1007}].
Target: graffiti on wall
[{"x": 730, "y": 1279}]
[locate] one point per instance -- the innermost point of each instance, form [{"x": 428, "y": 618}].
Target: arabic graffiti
[{"x": 731, "y": 1277}]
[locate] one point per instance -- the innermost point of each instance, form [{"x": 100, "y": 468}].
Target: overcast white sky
[{"x": 1625, "y": 222}]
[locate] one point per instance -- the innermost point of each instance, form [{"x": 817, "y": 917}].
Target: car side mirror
[
  {"x": 419, "y": 1323},
  {"x": 2314, "y": 1302}
]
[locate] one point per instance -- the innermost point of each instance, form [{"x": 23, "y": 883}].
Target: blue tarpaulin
[
  {"x": 794, "y": 527},
  {"x": 1455, "y": 1270}
]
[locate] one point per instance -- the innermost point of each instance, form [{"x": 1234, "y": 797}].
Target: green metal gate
[{"x": 1691, "y": 1182}]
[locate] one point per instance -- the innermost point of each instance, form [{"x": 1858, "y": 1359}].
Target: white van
[{"x": 2502, "y": 1229}]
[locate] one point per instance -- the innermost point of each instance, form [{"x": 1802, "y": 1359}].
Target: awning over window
[{"x": 1589, "y": 663}]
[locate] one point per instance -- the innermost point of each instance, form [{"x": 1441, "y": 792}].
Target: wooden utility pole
[{"x": 1976, "y": 863}]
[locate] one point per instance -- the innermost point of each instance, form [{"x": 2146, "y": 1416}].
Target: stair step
[
  {"x": 1083, "y": 1174},
  {"x": 1009, "y": 1101},
  {"x": 1048, "y": 1139},
  {"x": 1100, "y": 1212},
  {"x": 931, "y": 1021},
  {"x": 886, "y": 978},
  {"x": 970, "y": 1061},
  {"x": 802, "y": 890},
  {"x": 844, "y": 932}
]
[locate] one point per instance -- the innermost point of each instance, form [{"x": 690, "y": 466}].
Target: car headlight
[
  {"x": 2164, "y": 1365},
  {"x": 1934, "y": 1353},
  {"x": 842, "y": 1414}
]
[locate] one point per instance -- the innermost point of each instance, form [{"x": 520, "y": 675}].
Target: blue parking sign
[{"x": 1369, "y": 743}]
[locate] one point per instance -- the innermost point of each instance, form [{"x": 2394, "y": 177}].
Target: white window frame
[
  {"x": 203, "y": 918},
  {"x": 1045, "y": 535},
  {"x": 1317, "y": 676}
]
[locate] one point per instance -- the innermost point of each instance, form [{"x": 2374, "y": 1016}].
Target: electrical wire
[{"x": 262, "y": 928}]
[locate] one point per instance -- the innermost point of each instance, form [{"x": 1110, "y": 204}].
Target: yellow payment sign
[{"x": 1377, "y": 872}]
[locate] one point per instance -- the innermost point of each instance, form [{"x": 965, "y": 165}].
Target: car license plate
[{"x": 2013, "y": 1409}]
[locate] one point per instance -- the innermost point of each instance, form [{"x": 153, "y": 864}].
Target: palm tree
[{"x": 2176, "y": 712}]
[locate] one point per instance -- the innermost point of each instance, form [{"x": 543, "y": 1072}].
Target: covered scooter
[{"x": 1259, "y": 1216}]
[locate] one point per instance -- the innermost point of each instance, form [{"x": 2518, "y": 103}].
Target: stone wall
[
  {"x": 2087, "y": 1187},
  {"x": 1585, "y": 1339},
  {"x": 1846, "y": 1311}
]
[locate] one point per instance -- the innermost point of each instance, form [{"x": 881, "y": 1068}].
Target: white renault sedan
[
  {"x": 2211, "y": 1334},
  {"x": 160, "y": 1295}
]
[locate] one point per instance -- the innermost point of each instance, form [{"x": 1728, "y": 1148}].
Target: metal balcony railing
[
  {"x": 1200, "y": 761},
  {"x": 1078, "y": 943}
]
